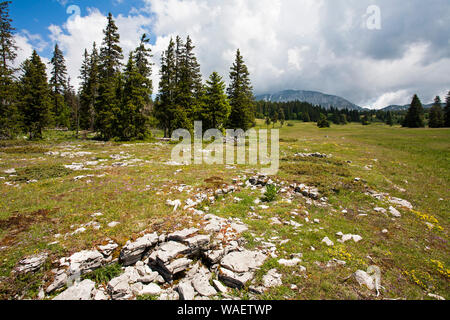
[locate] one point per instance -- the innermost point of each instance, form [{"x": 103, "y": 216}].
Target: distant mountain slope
[
  {"x": 313, "y": 97},
  {"x": 406, "y": 107}
]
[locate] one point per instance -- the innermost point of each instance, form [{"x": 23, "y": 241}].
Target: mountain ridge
[{"x": 314, "y": 97}]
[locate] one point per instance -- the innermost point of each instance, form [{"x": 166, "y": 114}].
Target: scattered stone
[
  {"x": 31, "y": 263},
  {"x": 182, "y": 235},
  {"x": 84, "y": 262},
  {"x": 380, "y": 210},
  {"x": 243, "y": 261},
  {"x": 364, "y": 278},
  {"x": 234, "y": 279},
  {"x": 395, "y": 212},
  {"x": 435, "y": 296},
  {"x": 113, "y": 224},
  {"x": 132, "y": 252},
  {"x": 108, "y": 249},
  {"x": 272, "y": 279},
  {"x": 150, "y": 289},
  {"x": 80, "y": 291},
  {"x": 186, "y": 291},
  {"x": 328, "y": 242},
  {"x": 401, "y": 202},
  {"x": 59, "y": 282},
  {"x": 219, "y": 286},
  {"x": 290, "y": 263},
  {"x": 200, "y": 282}
]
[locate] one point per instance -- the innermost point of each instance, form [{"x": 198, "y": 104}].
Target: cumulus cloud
[{"x": 322, "y": 45}]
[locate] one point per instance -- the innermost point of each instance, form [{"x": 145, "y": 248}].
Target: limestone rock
[
  {"x": 395, "y": 212},
  {"x": 272, "y": 279},
  {"x": 289, "y": 263},
  {"x": 59, "y": 282},
  {"x": 200, "y": 282},
  {"x": 31, "y": 263},
  {"x": 235, "y": 279},
  {"x": 364, "y": 278},
  {"x": 186, "y": 291},
  {"x": 84, "y": 262},
  {"x": 328, "y": 242},
  {"x": 151, "y": 289},
  {"x": 133, "y": 251},
  {"x": 80, "y": 291},
  {"x": 182, "y": 235},
  {"x": 243, "y": 261}
]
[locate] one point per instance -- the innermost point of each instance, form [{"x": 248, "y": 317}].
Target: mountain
[
  {"x": 313, "y": 97},
  {"x": 406, "y": 107}
]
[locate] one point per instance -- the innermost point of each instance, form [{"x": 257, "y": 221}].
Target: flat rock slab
[
  {"x": 170, "y": 250},
  {"x": 80, "y": 291},
  {"x": 235, "y": 279},
  {"x": 182, "y": 235},
  {"x": 186, "y": 291},
  {"x": 31, "y": 263},
  {"x": 132, "y": 252},
  {"x": 85, "y": 261},
  {"x": 272, "y": 279},
  {"x": 200, "y": 282},
  {"x": 243, "y": 261}
]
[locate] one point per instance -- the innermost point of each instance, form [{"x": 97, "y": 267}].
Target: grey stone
[
  {"x": 84, "y": 262},
  {"x": 272, "y": 279},
  {"x": 182, "y": 235},
  {"x": 364, "y": 278},
  {"x": 200, "y": 282},
  {"x": 219, "y": 286},
  {"x": 108, "y": 249},
  {"x": 186, "y": 291},
  {"x": 243, "y": 261},
  {"x": 395, "y": 212},
  {"x": 169, "y": 251},
  {"x": 31, "y": 263},
  {"x": 119, "y": 287},
  {"x": 234, "y": 279},
  {"x": 80, "y": 291},
  {"x": 134, "y": 251},
  {"x": 59, "y": 282},
  {"x": 150, "y": 289}
]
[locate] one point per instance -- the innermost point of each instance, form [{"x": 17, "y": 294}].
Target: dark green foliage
[
  {"x": 35, "y": 96},
  {"x": 58, "y": 82},
  {"x": 9, "y": 116},
  {"x": 107, "y": 103},
  {"x": 436, "y": 114},
  {"x": 271, "y": 193},
  {"x": 414, "y": 117},
  {"x": 447, "y": 112},
  {"x": 216, "y": 109},
  {"x": 105, "y": 274},
  {"x": 365, "y": 120},
  {"x": 240, "y": 94},
  {"x": 323, "y": 121},
  {"x": 389, "y": 119}
]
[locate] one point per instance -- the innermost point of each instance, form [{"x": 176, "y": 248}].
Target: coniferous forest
[{"x": 115, "y": 95}]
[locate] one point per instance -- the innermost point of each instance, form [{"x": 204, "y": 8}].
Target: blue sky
[{"x": 371, "y": 52}]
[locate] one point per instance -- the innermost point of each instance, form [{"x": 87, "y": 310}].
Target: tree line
[{"x": 115, "y": 99}]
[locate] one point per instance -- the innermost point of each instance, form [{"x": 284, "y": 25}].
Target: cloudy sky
[{"x": 371, "y": 52}]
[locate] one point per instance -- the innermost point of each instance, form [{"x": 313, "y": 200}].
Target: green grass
[{"x": 411, "y": 164}]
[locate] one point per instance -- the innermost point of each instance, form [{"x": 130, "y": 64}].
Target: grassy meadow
[{"x": 43, "y": 203}]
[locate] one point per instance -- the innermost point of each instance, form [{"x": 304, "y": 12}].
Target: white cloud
[{"x": 291, "y": 44}]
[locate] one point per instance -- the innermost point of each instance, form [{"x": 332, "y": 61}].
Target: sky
[{"x": 372, "y": 52}]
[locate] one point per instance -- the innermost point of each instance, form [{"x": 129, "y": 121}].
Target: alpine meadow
[{"x": 135, "y": 140}]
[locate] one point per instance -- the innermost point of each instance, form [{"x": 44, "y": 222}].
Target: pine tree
[
  {"x": 35, "y": 96},
  {"x": 414, "y": 116},
  {"x": 136, "y": 97},
  {"x": 240, "y": 96},
  {"x": 72, "y": 102},
  {"x": 58, "y": 81},
  {"x": 9, "y": 117},
  {"x": 447, "y": 112},
  {"x": 165, "y": 106},
  {"x": 84, "y": 111},
  {"x": 107, "y": 102},
  {"x": 323, "y": 121},
  {"x": 217, "y": 108},
  {"x": 389, "y": 119},
  {"x": 436, "y": 114}
]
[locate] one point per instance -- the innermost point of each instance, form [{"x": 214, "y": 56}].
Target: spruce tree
[
  {"x": 217, "y": 108},
  {"x": 323, "y": 121},
  {"x": 72, "y": 102},
  {"x": 84, "y": 111},
  {"x": 9, "y": 117},
  {"x": 414, "y": 116},
  {"x": 58, "y": 81},
  {"x": 436, "y": 114},
  {"x": 107, "y": 103},
  {"x": 389, "y": 119},
  {"x": 447, "y": 112},
  {"x": 240, "y": 95},
  {"x": 165, "y": 105},
  {"x": 35, "y": 96}
]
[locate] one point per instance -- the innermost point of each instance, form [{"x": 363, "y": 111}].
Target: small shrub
[
  {"x": 271, "y": 193},
  {"x": 105, "y": 274}
]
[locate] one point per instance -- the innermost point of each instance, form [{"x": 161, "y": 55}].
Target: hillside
[{"x": 316, "y": 98}]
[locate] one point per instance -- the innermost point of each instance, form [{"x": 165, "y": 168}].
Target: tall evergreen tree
[
  {"x": 72, "y": 102},
  {"x": 389, "y": 119},
  {"x": 84, "y": 111},
  {"x": 58, "y": 82},
  {"x": 436, "y": 114},
  {"x": 9, "y": 118},
  {"x": 35, "y": 96},
  {"x": 240, "y": 95},
  {"x": 107, "y": 102},
  {"x": 447, "y": 112},
  {"x": 414, "y": 116},
  {"x": 216, "y": 109},
  {"x": 165, "y": 105}
]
